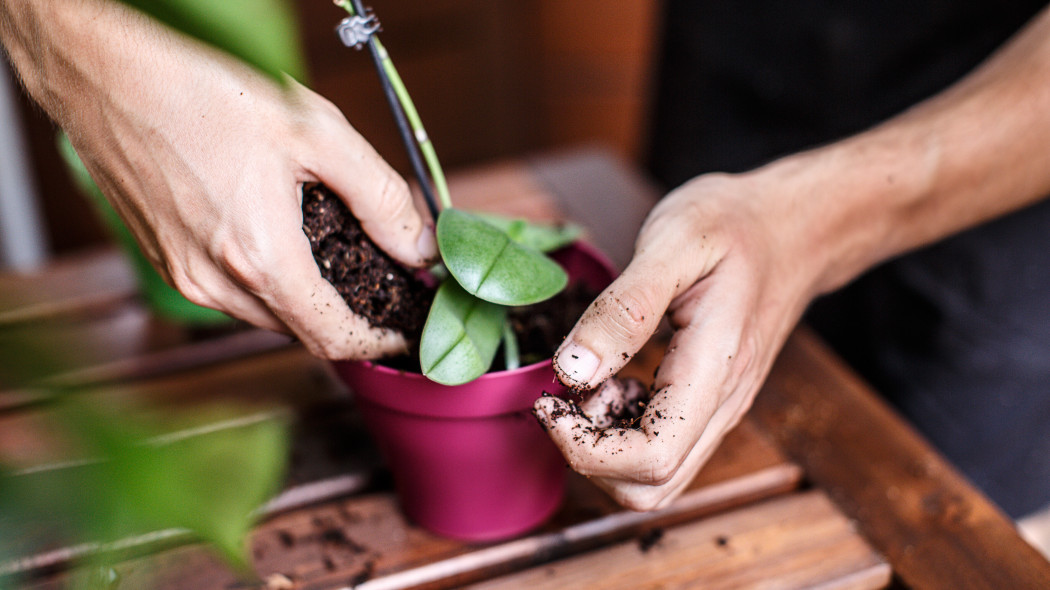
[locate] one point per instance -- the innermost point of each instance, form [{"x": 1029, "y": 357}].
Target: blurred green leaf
[
  {"x": 460, "y": 337},
  {"x": 487, "y": 263},
  {"x": 542, "y": 237},
  {"x": 263, "y": 33},
  {"x": 208, "y": 479}
]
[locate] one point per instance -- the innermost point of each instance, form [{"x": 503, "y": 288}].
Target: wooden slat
[
  {"x": 746, "y": 466},
  {"x": 337, "y": 545},
  {"x": 283, "y": 378},
  {"x": 935, "y": 528},
  {"x": 794, "y": 541},
  {"x": 86, "y": 281}
]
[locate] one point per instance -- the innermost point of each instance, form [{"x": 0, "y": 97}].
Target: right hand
[{"x": 204, "y": 158}]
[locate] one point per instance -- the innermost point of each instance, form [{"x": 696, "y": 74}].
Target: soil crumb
[{"x": 650, "y": 539}]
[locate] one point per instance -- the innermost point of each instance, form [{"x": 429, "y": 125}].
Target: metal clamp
[{"x": 355, "y": 31}]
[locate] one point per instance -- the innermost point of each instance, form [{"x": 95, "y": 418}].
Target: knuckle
[
  {"x": 189, "y": 287},
  {"x": 394, "y": 198},
  {"x": 660, "y": 469},
  {"x": 627, "y": 315},
  {"x": 576, "y": 462},
  {"x": 326, "y": 347},
  {"x": 243, "y": 266},
  {"x": 327, "y": 108},
  {"x": 329, "y": 349},
  {"x": 741, "y": 364},
  {"x": 643, "y": 500}
]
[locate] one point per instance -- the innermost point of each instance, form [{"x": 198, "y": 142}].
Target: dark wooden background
[{"x": 491, "y": 78}]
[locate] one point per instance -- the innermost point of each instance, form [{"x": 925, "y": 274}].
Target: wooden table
[{"x": 821, "y": 486}]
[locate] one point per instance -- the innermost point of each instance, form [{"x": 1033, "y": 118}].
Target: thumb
[
  {"x": 378, "y": 197},
  {"x": 617, "y": 324}
]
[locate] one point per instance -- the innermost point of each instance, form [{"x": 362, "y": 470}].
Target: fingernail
[
  {"x": 577, "y": 363},
  {"x": 427, "y": 244}
]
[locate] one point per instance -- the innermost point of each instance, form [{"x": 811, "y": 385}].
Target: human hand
[
  {"x": 727, "y": 265},
  {"x": 204, "y": 158}
]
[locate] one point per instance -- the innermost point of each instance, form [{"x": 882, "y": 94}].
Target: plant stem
[
  {"x": 427, "y": 146},
  {"x": 404, "y": 129},
  {"x": 511, "y": 354},
  {"x": 353, "y": 7}
]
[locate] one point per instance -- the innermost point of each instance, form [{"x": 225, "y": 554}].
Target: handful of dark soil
[{"x": 373, "y": 284}]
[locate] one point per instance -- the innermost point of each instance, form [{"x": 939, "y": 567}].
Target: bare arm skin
[
  {"x": 204, "y": 158},
  {"x": 734, "y": 260}
]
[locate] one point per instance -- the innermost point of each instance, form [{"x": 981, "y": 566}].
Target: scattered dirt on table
[
  {"x": 336, "y": 537},
  {"x": 372, "y": 283},
  {"x": 364, "y": 575},
  {"x": 650, "y": 539}
]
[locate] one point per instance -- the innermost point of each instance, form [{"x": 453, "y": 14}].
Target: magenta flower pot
[{"x": 470, "y": 461}]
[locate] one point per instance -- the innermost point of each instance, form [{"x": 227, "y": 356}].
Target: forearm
[
  {"x": 93, "y": 64},
  {"x": 972, "y": 153},
  {"x": 67, "y": 51}
]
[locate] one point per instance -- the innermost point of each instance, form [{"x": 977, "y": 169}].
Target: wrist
[{"x": 848, "y": 206}]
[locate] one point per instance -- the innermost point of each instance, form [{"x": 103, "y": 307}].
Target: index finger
[{"x": 697, "y": 374}]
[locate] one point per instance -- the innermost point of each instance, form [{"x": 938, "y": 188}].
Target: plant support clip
[
  {"x": 359, "y": 29},
  {"x": 355, "y": 31}
]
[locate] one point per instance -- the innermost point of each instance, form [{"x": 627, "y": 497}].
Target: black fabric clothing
[{"x": 957, "y": 335}]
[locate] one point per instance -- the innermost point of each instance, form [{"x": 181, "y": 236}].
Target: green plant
[
  {"x": 492, "y": 262},
  {"x": 194, "y": 472}
]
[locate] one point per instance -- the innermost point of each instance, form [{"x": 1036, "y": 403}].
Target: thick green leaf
[
  {"x": 263, "y": 33},
  {"x": 542, "y": 237},
  {"x": 487, "y": 263},
  {"x": 460, "y": 337},
  {"x": 207, "y": 479}
]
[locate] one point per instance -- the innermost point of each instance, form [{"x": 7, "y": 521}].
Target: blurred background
[{"x": 492, "y": 79}]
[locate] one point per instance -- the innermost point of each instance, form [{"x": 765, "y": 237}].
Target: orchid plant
[{"x": 492, "y": 263}]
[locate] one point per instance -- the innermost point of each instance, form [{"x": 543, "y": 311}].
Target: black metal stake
[{"x": 403, "y": 127}]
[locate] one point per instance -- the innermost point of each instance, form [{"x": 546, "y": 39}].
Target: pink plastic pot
[{"x": 470, "y": 461}]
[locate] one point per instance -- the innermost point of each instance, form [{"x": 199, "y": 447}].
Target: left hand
[{"x": 728, "y": 265}]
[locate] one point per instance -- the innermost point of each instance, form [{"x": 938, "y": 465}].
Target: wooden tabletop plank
[
  {"x": 746, "y": 467},
  {"x": 794, "y": 541},
  {"x": 935, "y": 528},
  {"x": 78, "y": 283},
  {"x": 284, "y": 378},
  {"x": 366, "y": 538}
]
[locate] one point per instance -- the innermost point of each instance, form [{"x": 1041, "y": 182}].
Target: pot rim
[
  {"x": 487, "y": 376},
  {"x": 492, "y": 394}
]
